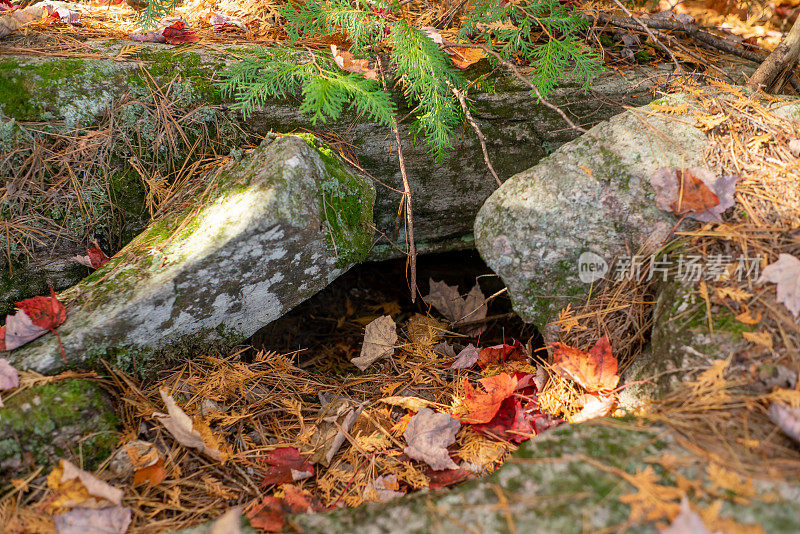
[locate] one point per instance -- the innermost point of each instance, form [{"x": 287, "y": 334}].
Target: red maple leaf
[
  {"x": 482, "y": 407},
  {"x": 595, "y": 370},
  {"x": 286, "y": 465},
  {"x": 177, "y": 33},
  {"x": 500, "y": 354},
  {"x": 515, "y": 423},
  {"x": 35, "y": 317},
  {"x": 270, "y": 513}
]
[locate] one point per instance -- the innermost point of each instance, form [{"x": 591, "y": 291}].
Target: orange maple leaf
[
  {"x": 482, "y": 407},
  {"x": 595, "y": 370},
  {"x": 693, "y": 195}
]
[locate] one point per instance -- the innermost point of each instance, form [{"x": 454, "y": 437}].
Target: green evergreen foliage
[
  {"x": 426, "y": 77},
  {"x": 155, "y": 11}
]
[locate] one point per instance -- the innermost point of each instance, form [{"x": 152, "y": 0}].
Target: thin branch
[
  {"x": 662, "y": 46},
  {"x": 478, "y": 132},
  {"x": 412, "y": 247}
]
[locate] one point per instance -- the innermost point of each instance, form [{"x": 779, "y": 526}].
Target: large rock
[
  {"x": 568, "y": 480},
  {"x": 592, "y": 195},
  {"x": 73, "y": 96},
  {"x": 270, "y": 231},
  {"x": 71, "y": 419}
]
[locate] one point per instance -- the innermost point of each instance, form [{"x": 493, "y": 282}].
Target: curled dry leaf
[
  {"x": 345, "y": 61},
  {"x": 787, "y": 419},
  {"x": 219, "y": 21},
  {"x": 594, "y": 371},
  {"x": 428, "y": 434},
  {"x": 466, "y": 358},
  {"x": 114, "y": 520},
  {"x": 698, "y": 193},
  {"x": 482, "y": 407},
  {"x": 338, "y": 417},
  {"x": 76, "y": 487},
  {"x": 379, "y": 338},
  {"x": 448, "y": 477},
  {"x": 409, "y": 403},
  {"x": 785, "y": 274},
  {"x": 178, "y": 33},
  {"x": 65, "y": 15},
  {"x": 270, "y": 513},
  {"x": 593, "y": 406},
  {"x": 9, "y": 378},
  {"x": 286, "y": 465},
  {"x": 95, "y": 257},
  {"x": 384, "y": 488},
  {"x": 182, "y": 429}
]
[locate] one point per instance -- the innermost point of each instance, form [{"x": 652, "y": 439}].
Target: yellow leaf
[
  {"x": 464, "y": 57},
  {"x": 759, "y": 338},
  {"x": 73, "y": 487}
]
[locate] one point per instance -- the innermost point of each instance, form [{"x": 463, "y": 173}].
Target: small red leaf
[
  {"x": 287, "y": 465},
  {"x": 500, "y": 354},
  {"x": 447, "y": 477},
  {"x": 482, "y": 407},
  {"x": 177, "y": 33},
  {"x": 44, "y": 312}
]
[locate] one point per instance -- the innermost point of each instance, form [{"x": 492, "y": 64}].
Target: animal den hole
[{"x": 327, "y": 331}]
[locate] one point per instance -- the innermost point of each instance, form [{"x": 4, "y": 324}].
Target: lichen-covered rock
[
  {"x": 564, "y": 481},
  {"x": 70, "y": 97},
  {"x": 70, "y": 419},
  {"x": 592, "y": 195},
  {"x": 682, "y": 343},
  {"x": 270, "y": 231}
]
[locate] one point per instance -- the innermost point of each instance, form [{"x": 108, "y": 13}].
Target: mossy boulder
[
  {"x": 113, "y": 97},
  {"x": 592, "y": 195},
  {"x": 71, "y": 419},
  {"x": 684, "y": 343},
  {"x": 567, "y": 480},
  {"x": 268, "y": 232}
]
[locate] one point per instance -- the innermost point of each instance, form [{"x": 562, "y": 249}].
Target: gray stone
[
  {"x": 68, "y": 92},
  {"x": 592, "y": 195},
  {"x": 563, "y": 481},
  {"x": 682, "y": 344},
  {"x": 272, "y": 230},
  {"x": 71, "y": 419}
]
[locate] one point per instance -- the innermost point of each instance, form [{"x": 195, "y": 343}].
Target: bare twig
[
  {"x": 412, "y": 248},
  {"x": 662, "y": 46},
  {"x": 478, "y": 132}
]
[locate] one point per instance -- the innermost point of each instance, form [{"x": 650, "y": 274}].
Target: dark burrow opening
[{"x": 327, "y": 330}]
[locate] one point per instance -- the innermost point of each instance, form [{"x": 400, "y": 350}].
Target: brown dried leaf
[
  {"x": 379, "y": 338},
  {"x": 466, "y": 358},
  {"x": 428, "y": 434},
  {"x": 448, "y": 301},
  {"x": 115, "y": 520},
  {"x": 785, "y": 273},
  {"x": 698, "y": 193},
  {"x": 9, "y": 378},
  {"x": 348, "y": 63},
  {"x": 182, "y": 429}
]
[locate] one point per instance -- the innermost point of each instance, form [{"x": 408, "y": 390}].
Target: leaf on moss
[
  {"x": 697, "y": 193},
  {"x": 95, "y": 257}
]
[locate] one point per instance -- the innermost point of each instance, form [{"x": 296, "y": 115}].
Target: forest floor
[{"x": 287, "y": 426}]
